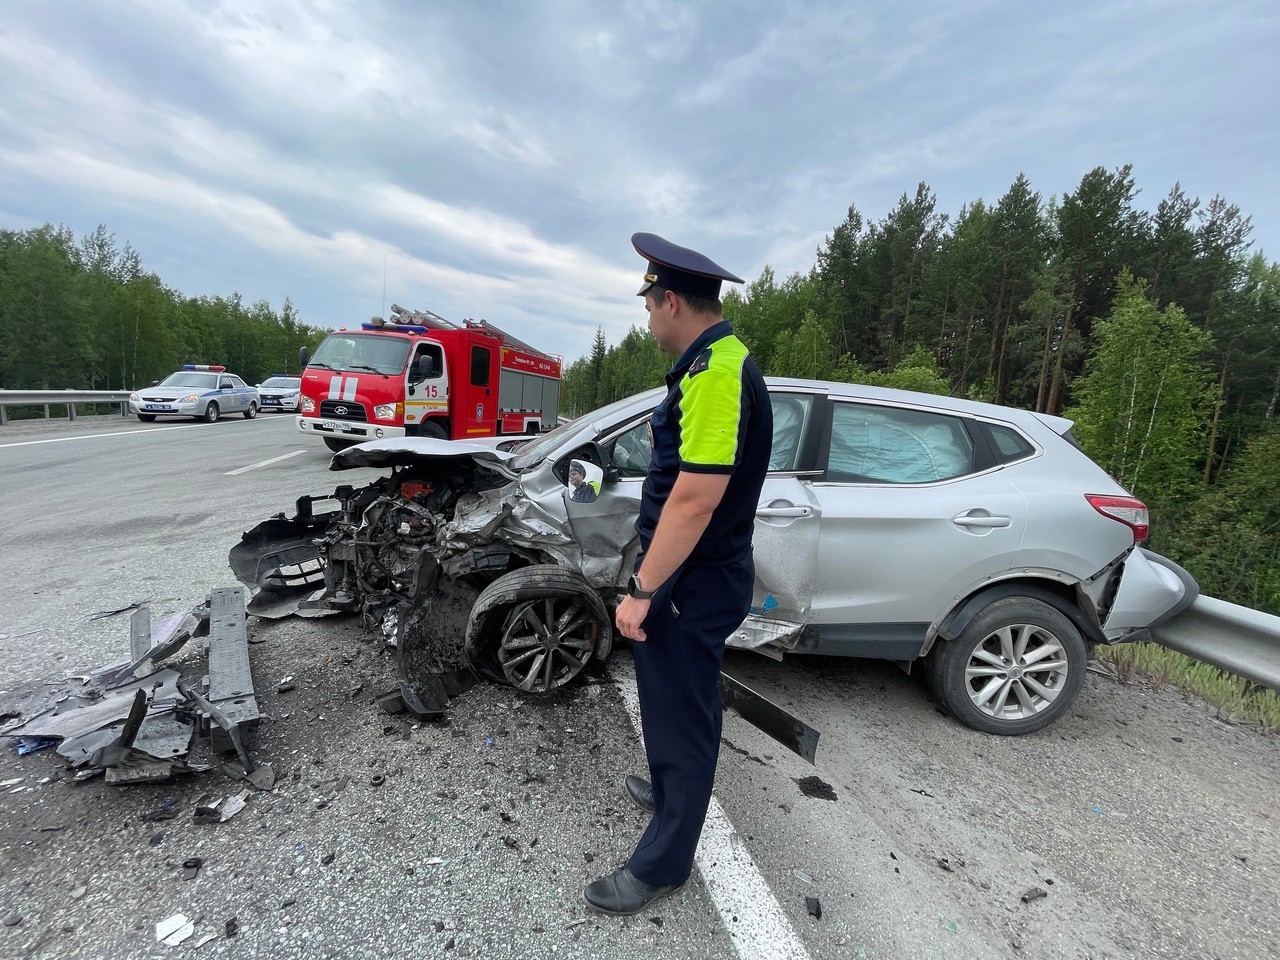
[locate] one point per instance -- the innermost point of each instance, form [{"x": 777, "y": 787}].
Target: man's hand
[{"x": 630, "y": 616}]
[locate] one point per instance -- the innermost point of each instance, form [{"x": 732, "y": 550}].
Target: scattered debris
[
  {"x": 79, "y": 892},
  {"x": 13, "y": 921},
  {"x": 327, "y": 859},
  {"x": 211, "y": 809},
  {"x": 814, "y": 907},
  {"x": 205, "y": 939},
  {"x": 1035, "y": 893},
  {"x": 191, "y": 868},
  {"x": 923, "y": 793},
  {"x": 135, "y": 723},
  {"x": 656, "y": 921},
  {"x": 232, "y": 927},
  {"x": 801, "y": 875},
  {"x": 377, "y": 780},
  {"x": 816, "y": 788},
  {"x": 103, "y": 614},
  {"x": 286, "y": 684},
  {"x": 175, "y": 930}
]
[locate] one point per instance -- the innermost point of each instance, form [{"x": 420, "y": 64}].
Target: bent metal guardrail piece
[
  {"x": 1233, "y": 638},
  {"x": 69, "y": 398}
]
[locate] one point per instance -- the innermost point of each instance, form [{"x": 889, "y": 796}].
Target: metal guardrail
[
  {"x": 67, "y": 398},
  {"x": 1236, "y": 639}
]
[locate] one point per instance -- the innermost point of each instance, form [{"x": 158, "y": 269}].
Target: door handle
[
  {"x": 788, "y": 511},
  {"x": 964, "y": 520}
]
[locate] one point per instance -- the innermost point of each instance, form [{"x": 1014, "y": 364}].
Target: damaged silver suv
[{"x": 976, "y": 541}]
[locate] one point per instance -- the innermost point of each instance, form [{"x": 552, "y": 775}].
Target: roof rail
[{"x": 512, "y": 341}]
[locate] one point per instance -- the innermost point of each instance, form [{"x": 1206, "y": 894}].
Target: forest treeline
[
  {"x": 1157, "y": 332},
  {"x": 86, "y": 316}
]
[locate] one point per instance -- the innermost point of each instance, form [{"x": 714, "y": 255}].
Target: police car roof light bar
[{"x": 203, "y": 366}]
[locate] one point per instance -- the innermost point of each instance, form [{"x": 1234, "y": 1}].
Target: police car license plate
[
  {"x": 268, "y": 400},
  {"x": 157, "y": 406}
]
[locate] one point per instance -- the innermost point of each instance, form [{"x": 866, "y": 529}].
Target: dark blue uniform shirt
[{"x": 716, "y": 418}]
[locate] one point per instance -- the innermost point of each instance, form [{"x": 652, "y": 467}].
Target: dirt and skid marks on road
[
  {"x": 384, "y": 835},
  {"x": 1149, "y": 824}
]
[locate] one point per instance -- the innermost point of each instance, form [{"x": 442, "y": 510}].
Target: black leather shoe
[
  {"x": 621, "y": 893},
  {"x": 641, "y": 792}
]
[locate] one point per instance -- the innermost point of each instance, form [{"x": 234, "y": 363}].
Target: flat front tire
[
  {"x": 252, "y": 411},
  {"x": 211, "y": 413},
  {"x": 1017, "y": 667}
]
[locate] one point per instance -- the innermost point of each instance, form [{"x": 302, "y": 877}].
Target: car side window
[
  {"x": 632, "y": 452},
  {"x": 875, "y": 444},
  {"x": 790, "y": 418},
  {"x": 225, "y": 384},
  {"x": 1009, "y": 444},
  {"x": 237, "y": 383}
]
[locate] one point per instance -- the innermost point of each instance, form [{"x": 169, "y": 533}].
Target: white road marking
[
  {"x": 119, "y": 433},
  {"x": 748, "y": 909},
  {"x": 255, "y": 466}
]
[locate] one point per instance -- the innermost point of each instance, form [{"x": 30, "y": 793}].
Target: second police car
[
  {"x": 280, "y": 393},
  {"x": 197, "y": 390}
]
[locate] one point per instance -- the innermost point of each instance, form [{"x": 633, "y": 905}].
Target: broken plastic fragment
[
  {"x": 175, "y": 930},
  {"x": 814, "y": 907}
]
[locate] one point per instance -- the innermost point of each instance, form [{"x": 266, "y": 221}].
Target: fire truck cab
[{"x": 418, "y": 374}]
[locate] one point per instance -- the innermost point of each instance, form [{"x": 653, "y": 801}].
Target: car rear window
[{"x": 874, "y": 444}]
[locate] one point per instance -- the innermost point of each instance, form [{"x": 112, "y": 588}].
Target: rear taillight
[{"x": 1132, "y": 513}]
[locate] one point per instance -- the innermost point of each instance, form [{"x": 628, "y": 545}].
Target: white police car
[
  {"x": 197, "y": 390},
  {"x": 280, "y": 393}
]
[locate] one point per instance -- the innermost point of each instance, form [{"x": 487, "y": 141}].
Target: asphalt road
[{"x": 1149, "y": 824}]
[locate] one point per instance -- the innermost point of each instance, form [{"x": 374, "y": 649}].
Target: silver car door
[
  {"x": 604, "y": 526},
  {"x": 908, "y": 527}
]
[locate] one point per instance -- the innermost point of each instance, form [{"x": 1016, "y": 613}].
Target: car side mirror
[
  {"x": 155, "y": 383},
  {"x": 583, "y": 485},
  {"x": 303, "y": 356}
]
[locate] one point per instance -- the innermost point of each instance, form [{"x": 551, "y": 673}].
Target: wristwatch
[{"x": 634, "y": 590}]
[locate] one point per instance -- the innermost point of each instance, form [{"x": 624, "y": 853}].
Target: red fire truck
[{"x": 419, "y": 375}]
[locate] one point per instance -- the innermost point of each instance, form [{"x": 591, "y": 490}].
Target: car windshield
[
  {"x": 536, "y": 450},
  {"x": 373, "y": 352},
  {"x": 185, "y": 378},
  {"x": 282, "y": 383}
]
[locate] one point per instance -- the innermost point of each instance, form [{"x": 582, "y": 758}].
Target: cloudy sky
[{"x": 492, "y": 159}]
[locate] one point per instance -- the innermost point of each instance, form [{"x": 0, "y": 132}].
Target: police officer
[{"x": 694, "y": 576}]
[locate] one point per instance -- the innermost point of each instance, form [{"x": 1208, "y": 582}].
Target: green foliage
[
  {"x": 916, "y": 371},
  {"x": 807, "y": 353},
  {"x": 1145, "y": 400},
  {"x": 87, "y": 316},
  {"x": 1229, "y": 537}
]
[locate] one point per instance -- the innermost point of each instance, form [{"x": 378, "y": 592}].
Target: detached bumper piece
[{"x": 134, "y": 723}]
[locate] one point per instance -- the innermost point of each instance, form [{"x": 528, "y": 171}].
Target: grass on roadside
[{"x": 1236, "y": 699}]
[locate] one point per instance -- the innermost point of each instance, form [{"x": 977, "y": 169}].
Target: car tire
[
  {"x": 432, "y": 430},
  {"x": 147, "y": 417},
  {"x": 982, "y": 676},
  {"x": 537, "y": 628},
  {"x": 211, "y": 413},
  {"x": 252, "y": 411},
  {"x": 336, "y": 445}
]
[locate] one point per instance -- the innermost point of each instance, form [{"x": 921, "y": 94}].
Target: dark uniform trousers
[{"x": 677, "y": 676}]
